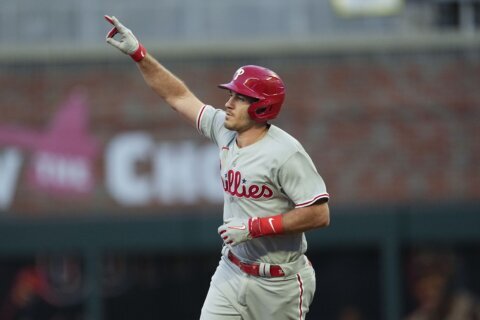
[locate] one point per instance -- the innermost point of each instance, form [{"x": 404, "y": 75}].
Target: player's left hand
[{"x": 235, "y": 231}]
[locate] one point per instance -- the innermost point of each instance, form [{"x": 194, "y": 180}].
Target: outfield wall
[{"x": 381, "y": 129}]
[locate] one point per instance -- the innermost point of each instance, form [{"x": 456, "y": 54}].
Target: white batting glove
[
  {"x": 235, "y": 231},
  {"x": 128, "y": 44}
]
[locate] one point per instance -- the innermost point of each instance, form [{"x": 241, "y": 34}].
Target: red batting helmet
[{"x": 262, "y": 84}]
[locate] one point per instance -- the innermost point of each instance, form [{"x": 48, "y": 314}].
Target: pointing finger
[
  {"x": 109, "y": 19},
  {"x": 114, "y": 30},
  {"x": 121, "y": 28},
  {"x": 114, "y": 21}
]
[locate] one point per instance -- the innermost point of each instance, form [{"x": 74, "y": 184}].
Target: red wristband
[
  {"x": 140, "y": 53},
  {"x": 260, "y": 227}
]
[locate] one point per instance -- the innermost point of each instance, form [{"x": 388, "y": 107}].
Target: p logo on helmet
[
  {"x": 238, "y": 73},
  {"x": 262, "y": 84}
]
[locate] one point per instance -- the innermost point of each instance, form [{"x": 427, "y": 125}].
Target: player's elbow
[
  {"x": 323, "y": 221},
  {"x": 322, "y": 216}
]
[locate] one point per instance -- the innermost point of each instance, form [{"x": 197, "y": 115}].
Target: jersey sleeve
[
  {"x": 210, "y": 124},
  {"x": 300, "y": 180}
]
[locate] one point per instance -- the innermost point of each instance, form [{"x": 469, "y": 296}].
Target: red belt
[{"x": 255, "y": 269}]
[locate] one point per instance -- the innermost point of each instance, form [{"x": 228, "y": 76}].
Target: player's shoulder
[
  {"x": 210, "y": 123},
  {"x": 284, "y": 142},
  {"x": 212, "y": 112}
]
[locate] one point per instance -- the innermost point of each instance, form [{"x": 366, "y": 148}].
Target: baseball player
[{"x": 272, "y": 190}]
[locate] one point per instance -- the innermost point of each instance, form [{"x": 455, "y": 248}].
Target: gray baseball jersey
[{"x": 272, "y": 176}]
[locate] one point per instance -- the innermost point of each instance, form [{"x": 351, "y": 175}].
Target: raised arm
[{"x": 160, "y": 79}]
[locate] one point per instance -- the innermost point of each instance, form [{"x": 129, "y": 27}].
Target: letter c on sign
[{"x": 127, "y": 186}]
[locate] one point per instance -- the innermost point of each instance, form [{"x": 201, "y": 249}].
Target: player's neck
[{"x": 252, "y": 135}]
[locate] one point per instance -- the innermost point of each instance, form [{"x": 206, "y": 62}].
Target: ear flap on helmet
[{"x": 264, "y": 110}]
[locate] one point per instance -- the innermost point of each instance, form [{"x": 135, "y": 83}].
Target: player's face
[{"x": 237, "y": 117}]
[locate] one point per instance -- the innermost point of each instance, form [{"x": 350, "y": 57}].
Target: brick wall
[{"x": 380, "y": 128}]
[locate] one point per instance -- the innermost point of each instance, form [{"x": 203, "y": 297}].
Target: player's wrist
[
  {"x": 139, "y": 54},
  {"x": 267, "y": 226}
]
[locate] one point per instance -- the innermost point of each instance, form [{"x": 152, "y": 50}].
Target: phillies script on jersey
[{"x": 236, "y": 186}]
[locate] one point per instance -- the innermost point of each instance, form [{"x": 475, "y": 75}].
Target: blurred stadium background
[{"x": 109, "y": 204}]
